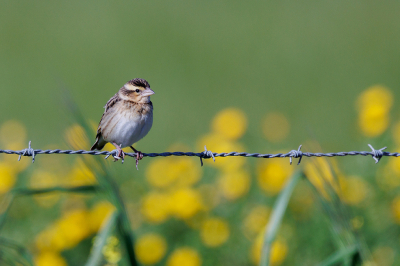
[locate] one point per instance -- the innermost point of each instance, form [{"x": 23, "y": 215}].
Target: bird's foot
[
  {"x": 139, "y": 156},
  {"x": 119, "y": 154}
]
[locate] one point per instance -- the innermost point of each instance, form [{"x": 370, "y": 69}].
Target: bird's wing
[{"x": 108, "y": 105}]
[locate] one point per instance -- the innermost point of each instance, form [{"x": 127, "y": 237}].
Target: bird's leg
[
  {"x": 139, "y": 155},
  {"x": 120, "y": 152}
]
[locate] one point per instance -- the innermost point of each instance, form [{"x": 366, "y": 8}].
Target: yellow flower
[
  {"x": 40, "y": 180},
  {"x": 184, "y": 256},
  {"x": 214, "y": 232},
  {"x": 273, "y": 174},
  {"x": 150, "y": 248},
  {"x": 231, "y": 123},
  {"x": 48, "y": 240},
  {"x": 373, "y": 120},
  {"x": 256, "y": 220},
  {"x": 158, "y": 173},
  {"x": 181, "y": 172},
  {"x": 156, "y": 207},
  {"x": 73, "y": 227},
  {"x": 50, "y": 259},
  {"x": 373, "y": 106},
  {"x": 8, "y": 177},
  {"x": 13, "y": 135},
  {"x": 111, "y": 250},
  {"x": 65, "y": 233},
  {"x": 185, "y": 203},
  {"x": 277, "y": 254},
  {"x": 76, "y": 137},
  {"x": 98, "y": 214},
  {"x": 234, "y": 185},
  {"x": 80, "y": 175},
  {"x": 275, "y": 127},
  {"x": 188, "y": 171},
  {"x": 375, "y": 95},
  {"x": 396, "y": 209},
  {"x": 353, "y": 190}
]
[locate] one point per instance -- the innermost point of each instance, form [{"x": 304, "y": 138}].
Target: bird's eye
[{"x": 137, "y": 90}]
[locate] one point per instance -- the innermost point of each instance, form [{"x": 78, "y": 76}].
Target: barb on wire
[
  {"x": 28, "y": 152},
  {"x": 296, "y": 154},
  {"x": 206, "y": 155},
  {"x": 376, "y": 154}
]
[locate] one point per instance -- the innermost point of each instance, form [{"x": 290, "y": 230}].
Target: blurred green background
[{"x": 309, "y": 61}]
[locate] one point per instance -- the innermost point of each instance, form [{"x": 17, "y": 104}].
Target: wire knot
[
  {"x": 376, "y": 154},
  {"x": 206, "y": 155},
  {"x": 28, "y": 152},
  {"x": 296, "y": 154}
]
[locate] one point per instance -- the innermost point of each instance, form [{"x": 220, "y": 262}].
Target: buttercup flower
[
  {"x": 273, "y": 174},
  {"x": 353, "y": 189},
  {"x": 231, "y": 123},
  {"x": 373, "y": 106},
  {"x": 156, "y": 207},
  {"x": 234, "y": 184},
  {"x": 99, "y": 213},
  {"x": 184, "y": 256},
  {"x": 150, "y": 248},
  {"x": 214, "y": 232},
  {"x": 50, "y": 259},
  {"x": 185, "y": 203},
  {"x": 278, "y": 251},
  {"x": 8, "y": 177}
]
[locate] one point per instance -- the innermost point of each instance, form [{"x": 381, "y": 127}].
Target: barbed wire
[{"x": 206, "y": 154}]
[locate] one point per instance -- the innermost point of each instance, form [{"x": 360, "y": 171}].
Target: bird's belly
[{"x": 126, "y": 132}]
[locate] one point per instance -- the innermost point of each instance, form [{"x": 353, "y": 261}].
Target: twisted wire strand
[{"x": 376, "y": 154}]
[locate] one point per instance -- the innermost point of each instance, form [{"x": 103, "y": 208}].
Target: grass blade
[
  {"x": 276, "y": 218},
  {"x": 80, "y": 189},
  {"x": 22, "y": 254},
  {"x": 96, "y": 252},
  {"x": 126, "y": 234},
  {"x": 340, "y": 256}
]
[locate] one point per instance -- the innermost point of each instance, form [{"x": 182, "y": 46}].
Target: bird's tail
[{"x": 99, "y": 144}]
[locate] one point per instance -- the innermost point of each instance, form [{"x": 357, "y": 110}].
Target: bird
[{"x": 127, "y": 118}]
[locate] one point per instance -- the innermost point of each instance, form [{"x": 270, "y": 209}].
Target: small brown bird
[{"x": 127, "y": 118}]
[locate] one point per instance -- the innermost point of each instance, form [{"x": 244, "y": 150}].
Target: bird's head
[{"x": 137, "y": 90}]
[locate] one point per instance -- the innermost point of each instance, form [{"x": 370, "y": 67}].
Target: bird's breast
[{"x": 132, "y": 123}]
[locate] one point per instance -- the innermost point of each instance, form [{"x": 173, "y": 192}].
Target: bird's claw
[
  {"x": 139, "y": 156},
  {"x": 119, "y": 155}
]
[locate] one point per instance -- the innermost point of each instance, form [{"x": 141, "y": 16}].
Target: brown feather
[{"x": 100, "y": 144}]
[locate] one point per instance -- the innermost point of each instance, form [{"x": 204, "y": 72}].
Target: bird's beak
[{"x": 147, "y": 92}]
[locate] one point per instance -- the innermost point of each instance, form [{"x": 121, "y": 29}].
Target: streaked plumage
[{"x": 127, "y": 118}]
